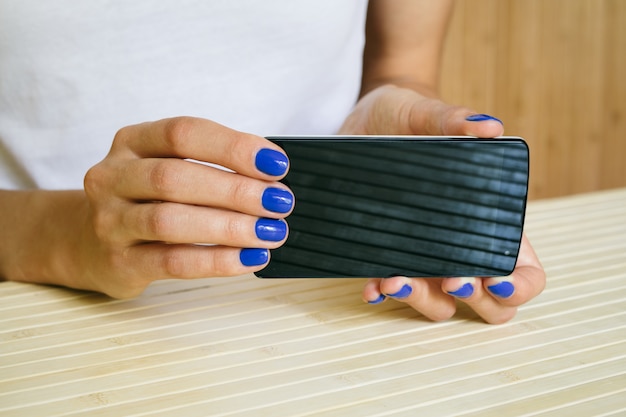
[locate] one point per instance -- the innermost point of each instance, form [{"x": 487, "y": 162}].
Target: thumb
[{"x": 434, "y": 117}]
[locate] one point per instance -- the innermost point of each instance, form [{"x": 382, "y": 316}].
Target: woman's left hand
[{"x": 391, "y": 110}]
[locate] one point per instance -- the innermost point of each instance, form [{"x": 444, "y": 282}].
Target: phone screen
[{"x": 411, "y": 206}]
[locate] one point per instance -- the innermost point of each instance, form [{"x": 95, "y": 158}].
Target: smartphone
[{"x": 417, "y": 206}]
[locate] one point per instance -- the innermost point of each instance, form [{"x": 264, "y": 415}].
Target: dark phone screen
[{"x": 376, "y": 207}]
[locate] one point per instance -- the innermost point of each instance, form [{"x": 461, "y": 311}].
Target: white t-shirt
[{"x": 72, "y": 73}]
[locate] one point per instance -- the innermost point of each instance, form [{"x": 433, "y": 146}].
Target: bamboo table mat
[{"x": 249, "y": 347}]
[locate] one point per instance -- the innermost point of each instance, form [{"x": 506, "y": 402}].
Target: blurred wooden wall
[{"x": 555, "y": 72}]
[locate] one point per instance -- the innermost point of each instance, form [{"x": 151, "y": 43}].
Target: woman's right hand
[{"x": 150, "y": 210}]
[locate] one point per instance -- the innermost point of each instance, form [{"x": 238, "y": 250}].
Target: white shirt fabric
[{"x": 73, "y": 72}]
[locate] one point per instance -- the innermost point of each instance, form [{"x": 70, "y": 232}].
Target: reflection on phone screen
[{"x": 401, "y": 207}]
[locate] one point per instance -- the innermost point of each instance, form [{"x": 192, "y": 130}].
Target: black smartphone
[{"x": 417, "y": 206}]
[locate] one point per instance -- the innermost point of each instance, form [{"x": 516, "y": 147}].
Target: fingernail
[
  {"x": 271, "y": 162},
  {"x": 503, "y": 289},
  {"x": 270, "y": 229},
  {"x": 464, "y": 292},
  {"x": 277, "y": 200},
  {"x": 379, "y": 300},
  {"x": 404, "y": 292},
  {"x": 482, "y": 118},
  {"x": 253, "y": 256}
]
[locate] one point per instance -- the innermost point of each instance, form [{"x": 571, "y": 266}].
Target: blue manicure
[
  {"x": 482, "y": 118},
  {"x": 464, "y": 292},
  {"x": 404, "y": 292},
  {"x": 253, "y": 256},
  {"x": 379, "y": 300},
  {"x": 271, "y": 162},
  {"x": 270, "y": 229},
  {"x": 277, "y": 200},
  {"x": 502, "y": 289}
]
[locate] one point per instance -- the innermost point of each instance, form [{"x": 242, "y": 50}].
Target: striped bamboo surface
[{"x": 249, "y": 347}]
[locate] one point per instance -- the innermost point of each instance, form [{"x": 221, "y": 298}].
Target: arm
[
  {"x": 39, "y": 231},
  {"x": 401, "y": 65},
  {"x": 404, "y": 41},
  {"x": 401, "y": 61}
]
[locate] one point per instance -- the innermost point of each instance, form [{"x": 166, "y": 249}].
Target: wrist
[{"x": 42, "y": 236}]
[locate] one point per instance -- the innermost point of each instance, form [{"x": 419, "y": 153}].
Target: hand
[
  {"x": 149, "y": 207},
  {"x": 393, "y": 110}
]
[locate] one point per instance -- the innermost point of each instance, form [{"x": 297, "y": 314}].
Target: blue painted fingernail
[
  {"x": 502, "y": 289},
  {"x": 277, "y": 200},
  {"x": 379, "y": 300},
  {"x": 404, "y": 292},
  {"x": 271, "y": 162},
  {"x": 270, "y": 229},
  {"x": 482, "y": 118},
  {"x": 253, "y": 256},
  {"x": 464, "y": 292}
]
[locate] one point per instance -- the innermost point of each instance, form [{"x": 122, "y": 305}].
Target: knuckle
[
  {"x": 123, "y": 281},
  {"x": 104, "y": 221},
  {"x": 121, "y": 137},
  {"x": 118, "y": 260},
  {"x": 133, "y": 290},
  {"x": 185, "y": 262},
  {"x": 442, "y": 314},
  {"x": 164, "y": 178},
  {"x": 502, "y": 316},
  {"x": 177, "y": 132},
  {"x": 241, "y": 191},
  {"x": 175, "y": 264},
  {"x": 234, "y": 229},
  {"x": 222, "y": 265},
  {"x": 237, "y": 147},
  {"x": 110, "y": 226},
  {"x": 102, "y": 224},
  {"x": 541, "y": 281},
  {"x": 95, "y": 181},
  {"x": 160, "y": 221},
  {"x": 240, "y": 140}
]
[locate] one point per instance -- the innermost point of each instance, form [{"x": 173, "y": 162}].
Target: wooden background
[{"x": 555, "y": 72}]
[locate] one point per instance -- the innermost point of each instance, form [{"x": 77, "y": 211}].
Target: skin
[
  {"x": 110, "y": 237},
  {"x": 399, "y": 96},
  {"x": 143, "y": 207}
]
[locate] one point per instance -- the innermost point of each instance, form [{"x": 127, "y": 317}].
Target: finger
[
  {"x": 180, "y": 223},
  {"x": 371, "y": 292},
  {"x": 422, "y": 294},
  {"x": 526, "y": 282},
  {"x": 434, "y": 117},
  {"x": 472, "y": 292},
  {"x": 203, "y": 140},
  {"x": 496, "y": 299},
  {"x": 177, "y": 180},
  {"x": 164, "y": 261},
  {"x": 481, "y": 125}
]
